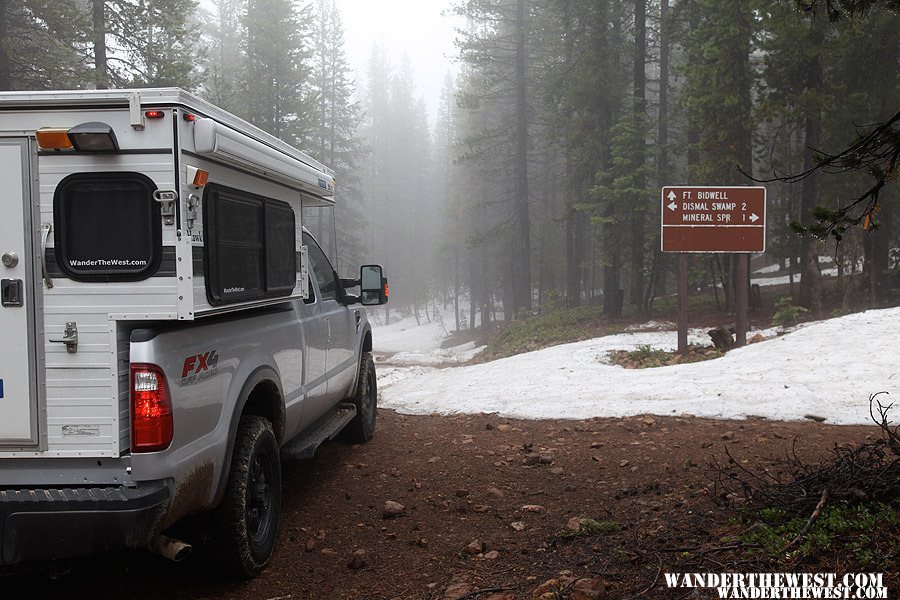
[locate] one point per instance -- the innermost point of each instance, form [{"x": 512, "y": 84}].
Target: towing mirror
[{"x": 373, "y": 285}]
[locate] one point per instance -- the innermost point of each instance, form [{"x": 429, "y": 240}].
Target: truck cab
[{"x": 172, "y": 331}]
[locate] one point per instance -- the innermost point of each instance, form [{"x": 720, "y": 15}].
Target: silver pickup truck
[{"x": 171, "y": 332}]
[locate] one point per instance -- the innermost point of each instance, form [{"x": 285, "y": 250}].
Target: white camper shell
[{"x": 63, "y": 389}]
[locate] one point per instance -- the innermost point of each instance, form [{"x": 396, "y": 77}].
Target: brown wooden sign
[{"x": 713, "y": 219}]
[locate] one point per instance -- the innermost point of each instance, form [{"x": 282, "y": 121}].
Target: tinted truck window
[{"x": 107, "y": 227}]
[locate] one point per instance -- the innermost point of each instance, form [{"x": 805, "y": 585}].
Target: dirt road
[{"x": 509, "y": 486}]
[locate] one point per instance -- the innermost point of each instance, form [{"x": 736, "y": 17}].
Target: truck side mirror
[{"x": 373, "y": 285}]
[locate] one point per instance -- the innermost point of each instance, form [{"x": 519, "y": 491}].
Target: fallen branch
[
  {"x": 810, "y": 522},
  {"x": 484, "y": 591}
]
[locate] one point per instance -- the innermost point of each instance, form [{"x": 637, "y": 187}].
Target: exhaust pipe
[{"x": 174, "y": 550}]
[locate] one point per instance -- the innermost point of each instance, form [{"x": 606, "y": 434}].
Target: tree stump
[{"x": 722, "y": 339}]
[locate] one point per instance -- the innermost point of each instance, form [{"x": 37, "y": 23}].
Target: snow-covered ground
[
  {"x": 410, "y": 342},
  {"x": 826, "y": 369}
]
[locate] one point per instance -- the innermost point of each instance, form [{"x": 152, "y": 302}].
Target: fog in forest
[{"x": 528, "y": 179}]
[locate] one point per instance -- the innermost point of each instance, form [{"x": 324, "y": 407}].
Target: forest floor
[{"x": 487, "y": 505}]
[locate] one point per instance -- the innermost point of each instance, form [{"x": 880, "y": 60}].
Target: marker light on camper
[
  {"x": 201, "y": 177},
  {"x": 53, "y": 139},
  {"x": 154, "y": 114},
  {"x": 94, "y": 137}
]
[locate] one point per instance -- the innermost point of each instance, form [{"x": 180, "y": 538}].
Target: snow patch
[{"x": 827, "y": 368}]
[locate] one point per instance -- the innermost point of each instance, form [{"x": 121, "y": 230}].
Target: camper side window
[
  {"x": 250, "y": 246},
  {"x": 107, "y": 227}
]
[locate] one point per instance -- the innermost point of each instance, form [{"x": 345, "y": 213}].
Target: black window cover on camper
[
  {"x": 250, "y": 246},
  {"x": 107, "y": 227}
]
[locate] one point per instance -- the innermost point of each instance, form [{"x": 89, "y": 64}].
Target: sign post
[{"x": 723, "y": 219}]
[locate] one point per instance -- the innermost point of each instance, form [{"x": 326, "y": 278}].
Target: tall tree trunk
[
  {"x": 638, "y": 212},
  {"x": 810, "y": 277},
  {"x": 881, "y": 249},
  {"x": 456, "y": 284},
  {"x": 101, "y": 78},
  {"x": 522, "y": 276},
  {"x": 662, "y": 175}
]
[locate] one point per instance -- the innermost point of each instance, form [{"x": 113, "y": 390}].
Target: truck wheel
[
  {"x": 247, "y": 520},
  {"x": 362, "y": 427}
]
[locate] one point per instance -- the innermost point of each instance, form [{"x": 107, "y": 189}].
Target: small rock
[
  {"x": 574, "y": 524},
  {"x": 310, "y": 544},
  {"x": 461, "y": 493},
  {"x": 815, "y": 418},
  {"x": 518, "y": 525},
  {"x": 504, "y": 427},
  {"x": 597, "y": 444},
  {"x": 648, "y": 420},
  {"x": 475, "y": 547},
  {"x": 624, "y": 463},
  {"x": 358, "y": 560},
  {"x": 728, "y": 435},
  {"x": 457, "y": 590},
  {"x": 546, "y": 459},
  {"x": 492, "y": 555},
  {"x": 532, "y": 458},
  {"x": 557, "y": 471},
  {"x": 392, "y": 509},
  {"x": 548, "y": 587},
  {"x": 495, "y": 492},
  {"x": 588, "y": 589},
  {"x": 434, "y": 459},
  {"x": 534, "y": 508},
  {"x": 481, "y": 508},
  {"x": 328, "y": 551}
]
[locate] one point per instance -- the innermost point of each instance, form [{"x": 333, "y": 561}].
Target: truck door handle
[{"x": 13, "y": 293}]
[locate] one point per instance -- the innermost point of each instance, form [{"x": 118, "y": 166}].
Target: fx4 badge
[{"x": 199, "y": 367}]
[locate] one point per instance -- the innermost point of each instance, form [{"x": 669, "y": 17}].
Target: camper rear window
[
  {"x": 250, "y": 246},
  {"x": 107, "y": 227}
]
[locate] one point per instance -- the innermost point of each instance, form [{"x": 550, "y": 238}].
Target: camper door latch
[
  {"x": 69, "y": 338},
  {"x": 167, "y": 200},
  {"x": 13, "y": 293}
]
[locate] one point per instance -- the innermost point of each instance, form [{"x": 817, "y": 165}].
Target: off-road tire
[
  {"x": 362, "y": 427},
  {"x": 246, "y": 523}
]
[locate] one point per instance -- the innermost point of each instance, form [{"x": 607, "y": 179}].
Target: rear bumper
[{"x": 42, "y": 524}]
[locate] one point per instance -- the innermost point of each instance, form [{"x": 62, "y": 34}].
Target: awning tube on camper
[{"x": 234, "y": 147}]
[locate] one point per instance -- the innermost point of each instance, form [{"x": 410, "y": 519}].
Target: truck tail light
[{"x": 151, "y": 409}]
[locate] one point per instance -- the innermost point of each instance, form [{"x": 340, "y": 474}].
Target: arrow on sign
[
  {"x": 671, "y": 195},
  {"x": 754, "y": 218},
  {"x": 672, "y": 206}
]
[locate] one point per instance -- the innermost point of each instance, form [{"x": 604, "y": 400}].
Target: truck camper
[{"x": 170, "y": 330}]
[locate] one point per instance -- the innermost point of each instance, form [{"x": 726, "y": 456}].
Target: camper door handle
[
  {"x": 69, "y": 338},
  {"x": 45, "y": 235}
]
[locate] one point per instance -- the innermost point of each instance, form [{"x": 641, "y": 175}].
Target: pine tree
[
  {"x": 225, "y": 62},
  {"x": 337, "y": 141},
  {"x": 279, "y": 97},
  {"x": 43, "y": 44},
  {"x": 144, "y": 43}
]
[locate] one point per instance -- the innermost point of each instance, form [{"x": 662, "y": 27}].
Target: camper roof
[{"x": 147, "y": 98}]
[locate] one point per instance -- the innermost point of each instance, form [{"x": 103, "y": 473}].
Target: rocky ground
[{"x": 479, "y": 507}]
